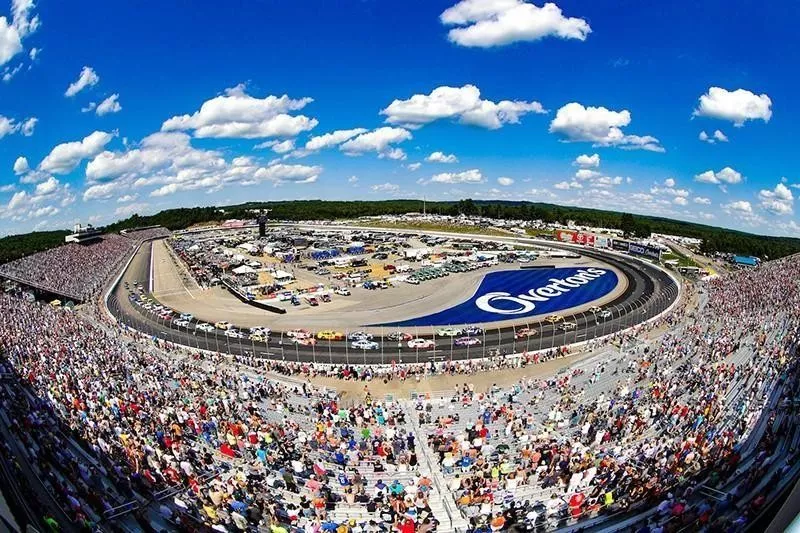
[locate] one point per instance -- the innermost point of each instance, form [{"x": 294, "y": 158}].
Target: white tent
[{"x": 244, "y": 269}]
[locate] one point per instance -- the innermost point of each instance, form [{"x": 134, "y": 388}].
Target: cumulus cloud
[
  {"x": 9, "y": 126},
  {"x": 725, "y": 176},
  {"x": 131, "y": 209},
  {"x": 587, "y": 174},
  {"x": 468, "y": 176},
  {"x": 168, "y": 162},
  {"x": 87, "y": 78},
  {"x": 463, "y": 104},
  {"x": 713, "y": 138},
  {"x": 680, "y": 200},
  {"x": 334, "y": 138},
  {"x": 737, "y": 106},
  {"x": 235, "y": 114},
  {"x": 702, "y": 200},
  {"x": 587, "y": 161},
  {"x": 65, "y": 157},
  {"x": 385, "y": 187},
  {"x": 779, "y": 201},
  {"x": 600, "y": 126},
  {"x": 21, "y": 166},
  {"x": 279, "y": 147},
  {"x": 505, "y": 182},
  {"x": 14, "y": 32},
  {"x": 742, "y": 207},
  {"x": 500, "y": 22},
  {"x": 379, "y": 140},
  {"x": 109, "y": 105},
  {"x": 441, "y": 157},
  {"x": 566, "y": 185},
  {"x": 43, "y": 200},
  {"x": 413, "y": 166}
]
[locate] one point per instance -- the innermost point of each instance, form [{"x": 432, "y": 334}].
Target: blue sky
[{"x": 140, "y": 107}]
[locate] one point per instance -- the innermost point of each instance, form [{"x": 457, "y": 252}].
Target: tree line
[{"x": 714, "y": 239}]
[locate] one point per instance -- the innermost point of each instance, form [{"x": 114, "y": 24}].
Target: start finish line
[{"x": 511, "y": 294}]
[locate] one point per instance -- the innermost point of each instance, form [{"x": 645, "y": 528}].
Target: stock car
[
  {"x": 305, "y": 341},
  {"x": 257, "y": 337},
  {"x": 448, "y": 332},
  {"x": 187, "y": 316},
  {"x": 330, "y": 335},
  {"x": 360, "y": 336},
  {"x": 299, "y": 334},
  {"x": 472, "y": 330},
  {"x": 568, "y": 326},
  {"x": 399, "y": 336},
  {"x": 232, "y": 333},
  {"x": 364, "y": 344},
  {"x": 554, "y": 318},
  {"x": 223, "y": 325},
  {"x": 208, "y": 328},
  {"x": 523, "y": 333},
  {"x": 181, "y": 323},
  {"x": 467, "y": 341},
  {"x": 604, "y": 314},
  {"x": 260, "y": 330},
  {"x": 421, "y": 344}
]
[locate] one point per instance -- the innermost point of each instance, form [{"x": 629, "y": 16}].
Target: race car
[
  {"x": 399, "y": 336},
  {"x": 305, "y": 341},
  {"x": 448, "y": 332},
  {"x": 568, "y": 326},
  {"x": 182, "y": 323},
  {"x": 364, "y": 344},
  {"x": 360, "y": 336},
  {"x": 604, "y": 314},
  {"x": 186, "y": 316},
  {"x": 523, "y": 333},
  {"x": 421, "y": 344},
  {"x": 330, "y": 335},
  {"x": 467, "y": 341},
  {"x": 299, "y": 334},
  {"x": 223, "y": 325},
  {"x": 208, "y": 328},
  {"x": 256, "y": 337},
  {"x": 595, "y": 309},
  {"x": 554, "y": 318},
  {"x": 472, "y": 330},
  {"x": 232, "y": 333}
]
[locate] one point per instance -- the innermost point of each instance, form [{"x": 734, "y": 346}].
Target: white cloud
[
  {"x": 21, "y": 166},
  {"x": 702, "y": 200},
  {"x": 505, "y": 182},
  {"x": 680, "y": 200},
  {"x": 9, "y": 73},
  {"x": 413, "y": 166},
  {"x": 63, "y": 158},
  {"x": 109, "y": 105},
  {"x": 279, "y": 147},
  {"x": 352, "y": 179},
  {"x": 236, "y": 114},
  {"x": 725, "y": 176},
  {"x": 468, "y": 176},
  {"x": 10, "y": 125},
  {"x": 385, "y": 187},
  {"x": 87, "y": 78},
  {"x": 127, "y": 210},
  {"x": 736, "y": 106},
  {"x": 588, "y": 161},
  {"x": 587, "y": 174},
  {"x": 778, "y": 201},
  {"x": 600, "y": 126},
  {"x": 26, "y": 127},
  {"x": 167, "y": 161},
  {"x": 7, "y": 187},
  {"x": 34, "y": 53},
  {"x": 39, "y": 202},
  {"x": 463, "y": 104},
  {"x": 711, "y": 139},
  {"x": 669, "y": 182},
  {"x": 441, "y": 157},
  {"x": 14, "y": 32},
  {"x": 741, "y": 207},
  {"x": 566, "y": 185},
  {"x": 334, "y": 138},
  {"x": 482, "y": 23},
  {"x": 379, "y": 140},
  {"x": 127, "y": 198}
]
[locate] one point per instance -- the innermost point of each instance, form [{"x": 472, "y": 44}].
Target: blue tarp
[{"x": 745, "y": 260}]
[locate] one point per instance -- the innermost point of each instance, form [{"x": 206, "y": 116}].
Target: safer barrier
[{"x": 243, "y": 298}]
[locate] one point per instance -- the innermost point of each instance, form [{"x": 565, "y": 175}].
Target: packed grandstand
[{"x": 683, "y": 423}]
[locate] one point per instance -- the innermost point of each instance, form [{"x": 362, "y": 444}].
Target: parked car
[
  {"x": 448, "y": 332},
  {"x": 312, "y": 301},
  {"x": 342, "y": 291},
  {"x": 421, "y": 344},
  {"x": 364, "y": 344},
  {"x": 467, "y": 341}
]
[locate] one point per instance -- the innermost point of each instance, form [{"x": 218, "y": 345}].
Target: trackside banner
[
  {"x": 648, "y": 251},
  {"x": 513, "y": 294}
]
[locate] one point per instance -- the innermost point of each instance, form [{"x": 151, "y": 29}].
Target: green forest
[{"x": 714, "y": 239}]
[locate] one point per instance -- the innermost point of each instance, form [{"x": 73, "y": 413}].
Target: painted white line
[{"x": 151, "y": 267}]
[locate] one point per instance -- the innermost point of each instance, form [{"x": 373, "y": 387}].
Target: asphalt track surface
[{"x": 650, "y": 291}]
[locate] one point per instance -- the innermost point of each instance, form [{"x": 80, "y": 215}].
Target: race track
[{"x": 649, "y": 291}]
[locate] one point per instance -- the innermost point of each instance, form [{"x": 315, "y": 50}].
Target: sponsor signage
[
  {"x": 565, "y": 235},
  {"x": 648, "y": 251},
  {"x": 601, "y": 242},
  {"x": 514, "y": 294},
  {"x": 622, "y": 246}
]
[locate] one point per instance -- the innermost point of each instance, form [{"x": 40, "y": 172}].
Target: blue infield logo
[{"x": 511, "y": 294}]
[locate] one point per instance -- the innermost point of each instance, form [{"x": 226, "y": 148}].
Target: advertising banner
[
  {"x": 647, "y": 251},
  {"x": 620, "y": 245},
  {"x": 566, "y": 235},
  {"x": 601, "y": 242}
]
